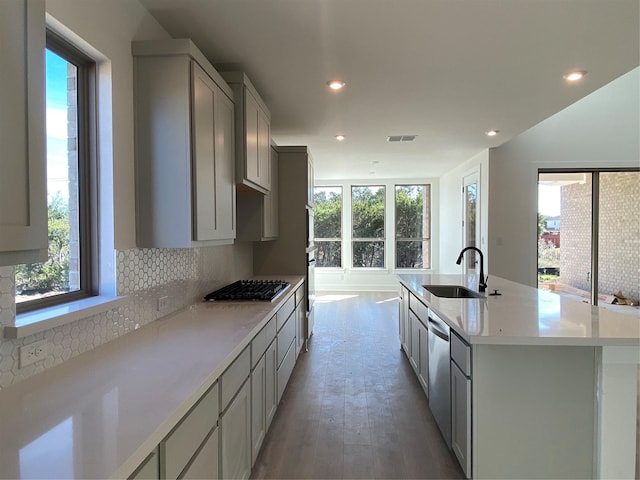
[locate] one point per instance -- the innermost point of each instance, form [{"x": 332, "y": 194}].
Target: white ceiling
[{"x": 444, "y": 70}]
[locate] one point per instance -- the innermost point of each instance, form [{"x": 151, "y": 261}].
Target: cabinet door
[
  {"x": 235, "y": 436},
  {"x": 205, "y": 465},
  {"x": 149, "y": 469},
  {"x": 461, "y": 418},
  {"x": 264, "y": 150},
  {"x": 23, "y": 174},
  {"x": 213, "y": 169},
  {"x": 405, "y": 329},
  {"x": 414, "y": 357},
  {"x": 300, "y": 327},
  {"x": 270, "y": 202},
  {"x": 258, "y": 407},
  {"x": 251, "y": 115},
  {"x": 423, "y": 364},
  {"x": 271, "y": 385}
]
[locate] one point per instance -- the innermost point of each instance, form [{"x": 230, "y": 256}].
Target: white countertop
[
  {"x": 101, "y": 413},
  {"x": 524, "y": 315}
]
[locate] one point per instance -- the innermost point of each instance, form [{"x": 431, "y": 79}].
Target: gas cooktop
[{"x": 254, "y": 290}]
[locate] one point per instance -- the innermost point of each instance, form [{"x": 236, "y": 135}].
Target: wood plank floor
[{"x": 353, "y": 407}]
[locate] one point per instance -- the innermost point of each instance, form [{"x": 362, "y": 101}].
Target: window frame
[
  {"x": 382, "y": 239},
  {"x": 339, "y": 239},
  {"x": 396, "y": 239},
  {"x": 87, "y": 175}
]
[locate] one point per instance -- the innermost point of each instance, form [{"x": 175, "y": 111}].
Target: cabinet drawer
[
  {"x": 179, "y": 446},
  {"x": 461, "y": 353},
  {"x": 285, "y": 369},
  {"x": 285, "y": 311},
  {"x": 148, "y": 470},
  {"x": 262, "y": 340},
  {"x": 205, "y": 464},
  {"x": 285, "y": 337},
  {"x": 233, "y": 377},
  {"x": 299, "y": 294},
  {"x": 419, "y": 308}
]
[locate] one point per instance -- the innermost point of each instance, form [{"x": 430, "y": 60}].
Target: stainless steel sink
[{"x": 452, "y": 291}]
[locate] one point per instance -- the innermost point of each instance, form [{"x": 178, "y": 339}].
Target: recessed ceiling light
[
  {"x": 575, "y": 75},
  {"x": 492, "y": 133},
  {"x": 336, "y": 84},
  {"x": 340, "y": 137}
]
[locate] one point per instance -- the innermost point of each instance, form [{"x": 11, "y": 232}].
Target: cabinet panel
[
  {"x": 405, "y": 327},
  {"x": 235, "y": 436},
  {"x": 301, "y": 329},
  {"x": 285, "y": 337},
  {"x": 180, "y": 445},
  {"x": 423, "y": 356},
  {"x": 285, "y": 369},
  {"x": 205, "y": 464},
  {"x": 414, "y": 356},
  {"x": 264, "y": 151},
  {"x": 149, "y": 469},
  {"x": 271, "y": 383},
  {"x": 252, "y": 114},
  {"x": 461, "y": 418},
  {"x": 258, "y": 407},
  {"x": 23, "y": 173},
  {"x": 234, "y": 376},
  {"x": 285, "y": 312}
]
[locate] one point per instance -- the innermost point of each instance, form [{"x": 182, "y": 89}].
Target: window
[
  {"x": 588, "y": 235},
  {"x": 367, "y": 209},
  {"x": 413, "y": 226},
  {"x": 66, "y": 274},
  {"x": 328, "y": 226}
]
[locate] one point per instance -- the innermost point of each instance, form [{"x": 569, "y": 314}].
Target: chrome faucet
[{"x": 482, "y": 285}]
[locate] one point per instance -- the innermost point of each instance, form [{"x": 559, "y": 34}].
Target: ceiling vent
[{"x": 401, "y": 138}]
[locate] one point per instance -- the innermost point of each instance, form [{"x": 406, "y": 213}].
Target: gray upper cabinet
[
  {"x": 185, "y": 175},
  {"x": 253, "y": 134},
  {"x": 23, "y": 173},
  {"x": 258, "y": 213}
]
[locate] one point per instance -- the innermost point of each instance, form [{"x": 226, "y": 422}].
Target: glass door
[{"x": 471, "y": 223}]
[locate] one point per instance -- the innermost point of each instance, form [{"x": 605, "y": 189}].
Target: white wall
[
  {"x": 379, "y": 279},
  {"x": 600, "y": 130},
  {"x": 451, "y": 211}
]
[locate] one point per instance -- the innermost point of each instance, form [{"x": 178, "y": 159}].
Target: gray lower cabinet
[
  {"x": 405, "y": 326},
  {"x": 258, "y": 407},
  {"x": 414, "y": 357},
  {"x": 149, "y": 469},
  {"x": 235, "y": 436},
  {"x": 461, "y": 402},
  {"x": 423, "y": 357},
  {"x": 205, "y": 465},
  {"x": 301, "y": 318},
  {"x": 271, "y": 383}
]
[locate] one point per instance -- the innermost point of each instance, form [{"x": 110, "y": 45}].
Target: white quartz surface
[
  {"x": 100, "y": 414},
  {"x": 524, "y": 315}
]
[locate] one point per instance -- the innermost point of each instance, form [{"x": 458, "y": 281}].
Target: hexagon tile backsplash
[{"x": 143, "y": 275}]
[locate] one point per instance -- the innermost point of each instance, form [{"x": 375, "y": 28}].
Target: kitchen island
[
  {"x": 103, "y": 413},
  {"x": 552, "y": 382}
]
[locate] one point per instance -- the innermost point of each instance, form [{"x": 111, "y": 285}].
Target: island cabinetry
[
  {"x": 235, "y": 420},
  {"x": 253, "y": 134},
  {"x": 185, "y": 180},
  {"x": 286, "y": 350},
  {"x": 461, "y": 402},
  {"x": 404, "y": 325},
  {"x": 185, "y": 443},
  {"x": 419, "y": 344},
  {"x": 23, "y": 173},
  {"x": 257, "y": 213}
]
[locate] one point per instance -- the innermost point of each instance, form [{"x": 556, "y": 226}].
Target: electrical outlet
[
  {"x": 32, "y": 353},
  {"x": 163, "y": 303}
]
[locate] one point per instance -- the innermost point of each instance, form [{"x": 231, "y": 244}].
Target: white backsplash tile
[{"x": 143, "y": 275}]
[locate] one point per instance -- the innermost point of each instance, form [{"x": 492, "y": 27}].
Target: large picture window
[
  {"x": 413, "y": 226},
  {"x": 368, "y": 212},
  {"x": 328, "y": 226},
  {"x": 66, "y": 274}
]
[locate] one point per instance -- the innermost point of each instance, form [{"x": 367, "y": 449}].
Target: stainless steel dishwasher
[{"x": 440, "y": 375}]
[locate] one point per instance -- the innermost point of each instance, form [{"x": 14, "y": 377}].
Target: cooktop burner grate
[{"x": 254, "y": 290}]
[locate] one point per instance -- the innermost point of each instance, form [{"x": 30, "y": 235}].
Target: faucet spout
[{"x": 482, "y": 284}]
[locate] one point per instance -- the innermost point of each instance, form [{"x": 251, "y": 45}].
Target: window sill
[{"x": 38, "y": 321}]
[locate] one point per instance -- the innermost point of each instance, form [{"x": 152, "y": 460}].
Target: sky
[
  {"x": 57, "y": 169},
  {"x": 549, "y": 200}
]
